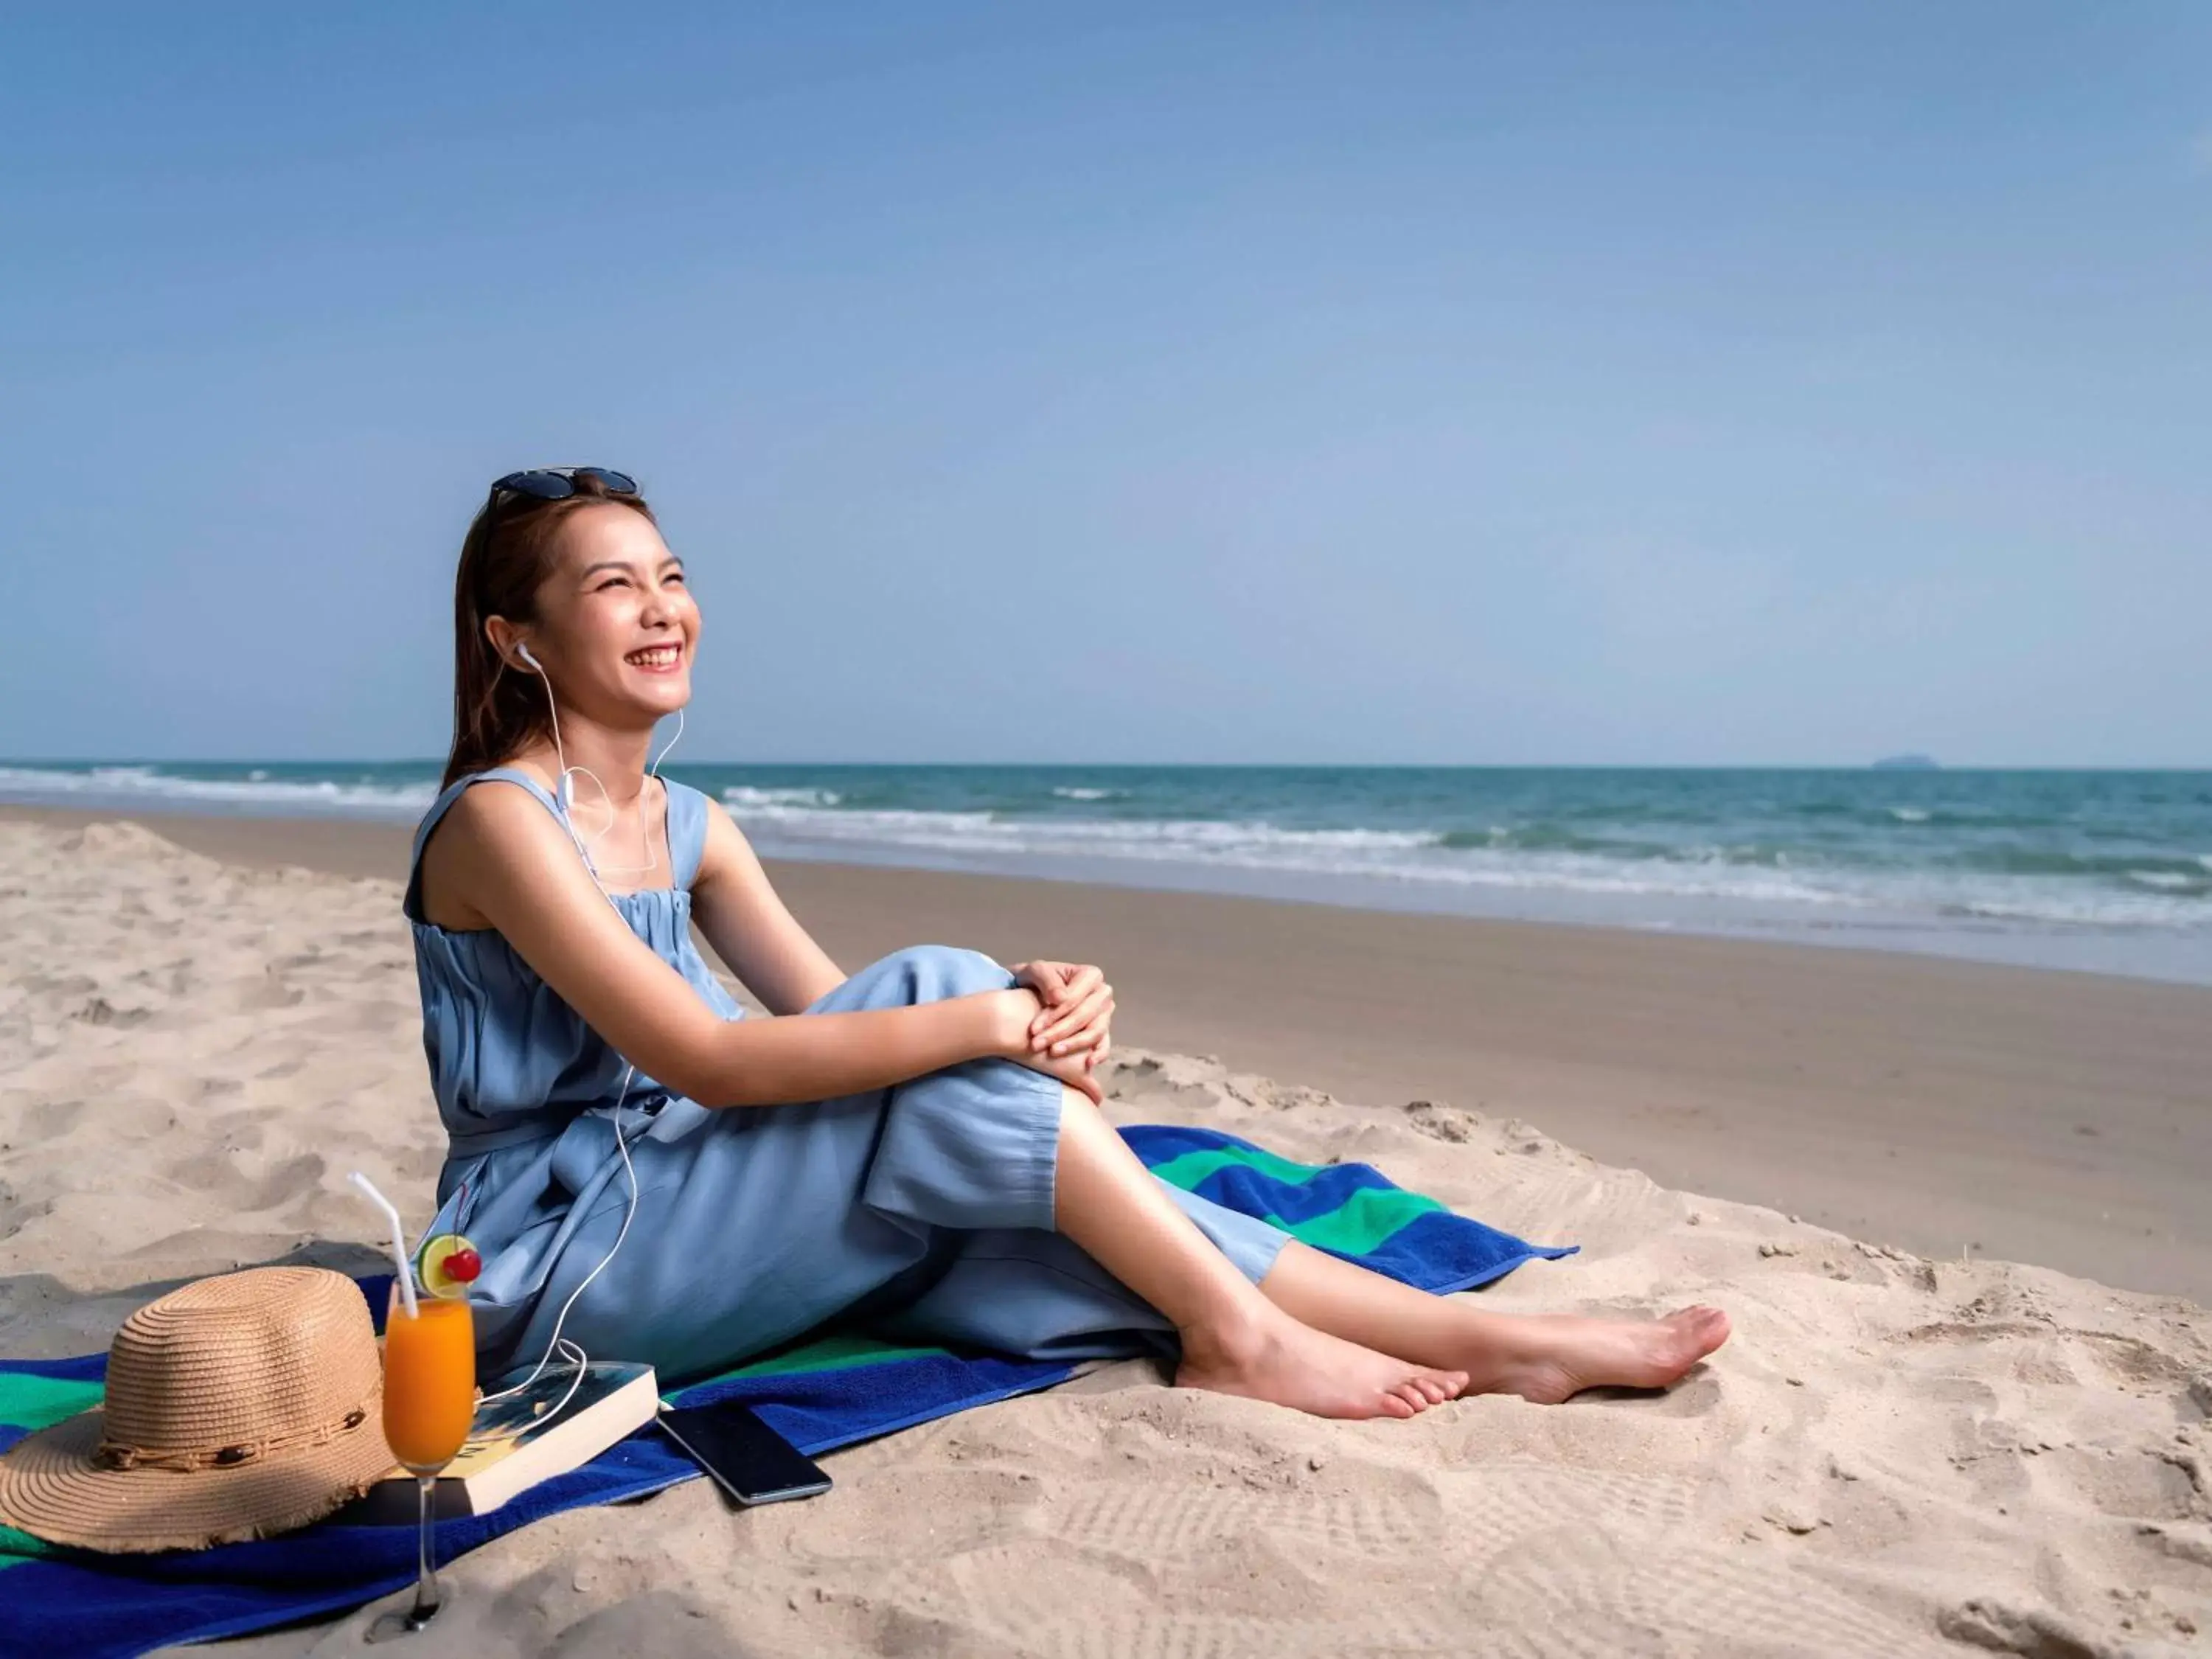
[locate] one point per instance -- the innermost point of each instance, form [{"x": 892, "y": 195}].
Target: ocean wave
[
  {"x": 993, "y": 831},
  {"x": 1389, "y": 854},
  {"x": 747, "y": 798},
  {"x": 2081, "y": 909},
  {"x": 1533, "y": 859},
  {"x": 143, "y": 786},
  {"x": 2171, "y": 881},
  {"x": 1533, "y": 837},
  {"x": 2118, "y": 868},
  {"x": 1069, "y": 792},
  {"x": 1937, "y": 816},
  {"x": 1549, "y": 838}
]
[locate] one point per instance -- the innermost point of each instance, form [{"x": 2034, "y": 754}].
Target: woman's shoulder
[
  {"x": 479, "y": 804},
  {"x": 524, "y": 780},
  {"x": 466, "y": 821}
]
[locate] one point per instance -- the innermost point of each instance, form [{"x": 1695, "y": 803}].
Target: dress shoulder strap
[
  {"x": 687, "y": 830},
  {"x": 451, "y": 792}
]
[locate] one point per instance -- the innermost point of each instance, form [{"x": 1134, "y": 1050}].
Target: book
[{"x": 528, "y": 1438}]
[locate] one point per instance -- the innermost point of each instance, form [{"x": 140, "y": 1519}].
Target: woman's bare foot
[
  {"x": 1557, "y": 1355},
  {"x": 1274, "y": 1357}
]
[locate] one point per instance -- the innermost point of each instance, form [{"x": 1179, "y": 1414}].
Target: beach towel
[{"x": 822, "y": 1394}]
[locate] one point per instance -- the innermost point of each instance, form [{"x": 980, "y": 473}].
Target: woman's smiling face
[{"x": 617, "y": 626}]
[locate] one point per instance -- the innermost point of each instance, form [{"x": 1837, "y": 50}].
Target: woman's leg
[
  {"x": 1235, "y": 1340},
  {"x": 964, "y": 1149},
  {"x": 1111, "y": 1205},
  {"x": 1540, "y": 1356}
]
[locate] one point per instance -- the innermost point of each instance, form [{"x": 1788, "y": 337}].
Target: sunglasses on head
[{"x": 557, "y": 483}]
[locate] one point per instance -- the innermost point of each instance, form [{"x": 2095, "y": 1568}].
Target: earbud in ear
[{"x": 531, "y": 658}]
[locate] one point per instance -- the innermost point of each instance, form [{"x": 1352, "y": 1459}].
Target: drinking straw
[{"x": 398, "y": 1239}]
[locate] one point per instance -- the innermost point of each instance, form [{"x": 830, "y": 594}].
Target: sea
[{"x": 2107, "y": 871}]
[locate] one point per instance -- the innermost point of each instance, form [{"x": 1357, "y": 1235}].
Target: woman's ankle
[{"x": 1235, "y": 1333}]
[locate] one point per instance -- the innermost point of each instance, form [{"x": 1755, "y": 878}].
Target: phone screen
[{"x": 748, "y": 1460}]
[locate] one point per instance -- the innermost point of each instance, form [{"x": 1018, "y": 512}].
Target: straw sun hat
[{"x": 237, "y": 1407}]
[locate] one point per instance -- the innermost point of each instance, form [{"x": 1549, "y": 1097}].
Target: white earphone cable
[{"x": 571, "y": 1351}]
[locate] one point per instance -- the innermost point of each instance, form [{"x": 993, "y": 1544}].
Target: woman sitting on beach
[{"x": 918, "y": 1145}]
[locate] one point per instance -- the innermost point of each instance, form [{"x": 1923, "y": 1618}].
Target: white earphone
[{"x": 565, "y": 797}]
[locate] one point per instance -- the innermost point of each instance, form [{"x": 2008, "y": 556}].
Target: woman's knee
[
  {"x": 919, "y": 973},
  {"x": 932, "y": 973}
]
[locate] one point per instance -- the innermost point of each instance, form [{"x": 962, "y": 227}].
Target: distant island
[{"x": 1906, "y": 763}]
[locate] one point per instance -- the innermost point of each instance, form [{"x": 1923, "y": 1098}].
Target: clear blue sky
[{"x": 1543, "y": 383}]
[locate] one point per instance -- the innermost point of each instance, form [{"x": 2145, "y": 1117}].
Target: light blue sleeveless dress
[{"x": 922, "y": 1213}]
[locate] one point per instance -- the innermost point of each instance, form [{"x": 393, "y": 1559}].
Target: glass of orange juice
[{"x": 429, "y": 1402}]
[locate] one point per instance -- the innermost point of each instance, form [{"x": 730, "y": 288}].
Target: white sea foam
[
  {"x": 1724, "y": 872},
  {"x": 1392, "y": 854},
  {"x": 747, "y": 798},
  {"x": 150, "y": 785},
  {"x": 2080, "y": 908},
  {"x": 1070, "y": 792},
  {"x": 1908, "y": 815}
]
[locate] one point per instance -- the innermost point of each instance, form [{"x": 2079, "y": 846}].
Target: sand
[{"x": 1900, "y": 1453}]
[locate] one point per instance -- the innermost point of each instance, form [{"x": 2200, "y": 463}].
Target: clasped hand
[{"x": 1072, "y": 1032}]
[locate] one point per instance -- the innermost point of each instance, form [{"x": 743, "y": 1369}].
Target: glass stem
[{"x": 426, "y": 1583}]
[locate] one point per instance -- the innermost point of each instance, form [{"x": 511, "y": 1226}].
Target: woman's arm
[
  {"x": 517, "y": 868},
  {"x": 746, "y": 921}
]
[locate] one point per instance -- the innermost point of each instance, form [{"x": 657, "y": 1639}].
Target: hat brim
[{"x": 51, "y": 1488}]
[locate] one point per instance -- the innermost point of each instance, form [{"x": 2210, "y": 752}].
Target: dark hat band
[{"x": 114, "y": 1455}]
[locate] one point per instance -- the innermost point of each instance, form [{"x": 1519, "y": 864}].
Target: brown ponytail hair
[{"x": 506, "y": 557}]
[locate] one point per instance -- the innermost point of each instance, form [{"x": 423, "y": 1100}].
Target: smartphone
[{"x": 747, "y": 1459}]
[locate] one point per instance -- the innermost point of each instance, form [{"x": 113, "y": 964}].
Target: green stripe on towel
[
  {"x": 1359, "y": 1225},
  {"x": 1189, "y": 1170},
  {"x": 832, "y": 1353},
  {"x": 1363, "y": 1222},
  {"x": 37, "y": 1402}
]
